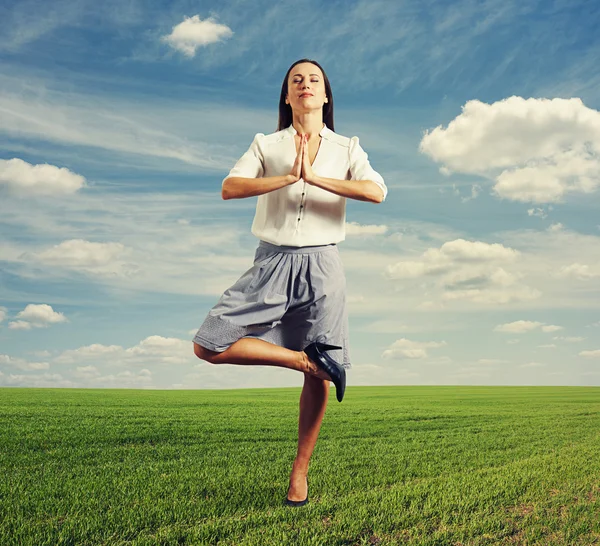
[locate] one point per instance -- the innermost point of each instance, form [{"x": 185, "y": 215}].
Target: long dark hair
[{"x": 285, "y": 110}]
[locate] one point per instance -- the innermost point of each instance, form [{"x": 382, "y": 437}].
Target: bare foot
[{"x": 311, "y": 368}]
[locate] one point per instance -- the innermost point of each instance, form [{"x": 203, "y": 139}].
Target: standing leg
[{"x": 313, "y": 402}]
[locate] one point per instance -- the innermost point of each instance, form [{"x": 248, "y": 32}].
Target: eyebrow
[{"x": 309, "y": 75}]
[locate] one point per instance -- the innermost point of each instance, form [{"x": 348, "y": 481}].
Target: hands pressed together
[{"x": 302, "y": 167}]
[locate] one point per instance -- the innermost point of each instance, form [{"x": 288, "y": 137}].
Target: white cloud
[
  {"x": 124, "y": 380},
  {"x": 37, "y": 316},
  {"x": 22, "y": 178},
  {"x": 475, "y": 191},
  {"x": 86, "y": 376},
  {"x": 167, "y": 349},
  {"x": 551, "y": 328},
  {"x": 194, "y": 32},
  {"x": 545, "y": 254},
  {"x": 110, "y": 366},
  {"x": 474, "y": 251},
  {"x": 407, "y": 349},
  {"x": 52, "y": 380},
  {"x": 451, "y": 255},
  {"x": 86, "y": 372},
  {"x": 80, "y": 253},
  {"x": 23, "y": 364},
  {"x": 518, "y": 327},
  {"x": 572, "y": 171},
  {"x": 493, "y": 296},
  {"x": 569, "y": 339},
  {"x": 523, "y": 326},
  {"x": 533, "y": 365},
  {"x": 93, "y": 351},
  {"x": 537, "y": 150},
  {"x": 539, "y": 212},
  {"x": 590, "y": 354},
  {"x": 132, "y": 227},
  {"x": 19, "y": 325},
  {"x": 354, "y": 228},
  {"x": 90, "y": 257},
  {"x": 41, "y": 314},
  {"x": 468, "y": 270},
  {"x": 153, "y": 349},
  {"x": 3, "y": 313},
  {"x": 472, "y": 276},
  {"x": 579, "y": 271}
]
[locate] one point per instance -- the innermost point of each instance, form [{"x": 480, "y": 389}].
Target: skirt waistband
[{"x": 297, "y": 249}]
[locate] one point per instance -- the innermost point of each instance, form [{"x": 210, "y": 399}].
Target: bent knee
[{"x": 204, "y": 354}]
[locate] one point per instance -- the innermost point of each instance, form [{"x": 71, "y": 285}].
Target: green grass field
[{"x": 393, "y": 465}]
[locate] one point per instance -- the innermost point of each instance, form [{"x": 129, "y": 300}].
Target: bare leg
[
  {"x": 257, "y": 352},
  {"x": 313, "y": 402},
  {"x": 313, "y": 399}
]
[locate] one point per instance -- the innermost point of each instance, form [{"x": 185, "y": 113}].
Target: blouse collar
[{"x": 323, "y": 132}]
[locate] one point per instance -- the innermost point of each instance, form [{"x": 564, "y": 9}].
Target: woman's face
[{"x": 306, "y": 78}]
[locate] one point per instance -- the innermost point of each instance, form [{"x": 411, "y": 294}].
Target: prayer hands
[
  {"x": 302, "y": 167},
  {"x": 307, "y": 173}
]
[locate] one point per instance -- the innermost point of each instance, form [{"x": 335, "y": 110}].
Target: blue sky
[{"x": 119, "y": 121}]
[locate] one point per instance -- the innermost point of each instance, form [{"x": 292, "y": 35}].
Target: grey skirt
[{"x": 291, "y": 297}]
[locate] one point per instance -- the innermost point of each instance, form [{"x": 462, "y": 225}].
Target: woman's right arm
[{"x": 236, "y": 187}]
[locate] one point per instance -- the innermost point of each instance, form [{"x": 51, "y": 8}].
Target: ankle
[
  {"x": 300, "y": 467},
  {"x": 304, "y": 363}
]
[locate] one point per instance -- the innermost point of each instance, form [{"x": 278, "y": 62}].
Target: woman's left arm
[
  {"x": 362, "y": 190},
  {"x": 361, "y": 186}
]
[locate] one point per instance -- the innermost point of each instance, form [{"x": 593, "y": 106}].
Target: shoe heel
[{"x": 326, "y": 347}]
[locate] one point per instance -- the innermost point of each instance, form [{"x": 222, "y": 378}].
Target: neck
[{"x": 308, "y": 124}]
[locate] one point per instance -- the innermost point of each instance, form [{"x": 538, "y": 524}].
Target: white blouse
[{"x": 301, "y": 214}]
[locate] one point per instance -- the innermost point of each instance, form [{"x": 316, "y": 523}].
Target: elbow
[
  {"x": 226, "y": 192},
  {"x": 377, "y": 195}
]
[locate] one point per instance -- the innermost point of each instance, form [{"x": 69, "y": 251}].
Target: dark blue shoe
[{"x": 317, "y": 353}]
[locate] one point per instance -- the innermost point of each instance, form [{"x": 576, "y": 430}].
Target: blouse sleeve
[
  {"x": 360, "y": 168},
  {"x": 251, "y": 164}
]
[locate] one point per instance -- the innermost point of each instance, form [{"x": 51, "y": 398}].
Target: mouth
[{"x": 306, "y": 95}]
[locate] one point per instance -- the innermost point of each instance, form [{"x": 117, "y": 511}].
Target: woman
[{"x": 289, "y": 309}]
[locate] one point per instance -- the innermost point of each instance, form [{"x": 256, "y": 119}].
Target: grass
[{"x": 393, "y": 465}]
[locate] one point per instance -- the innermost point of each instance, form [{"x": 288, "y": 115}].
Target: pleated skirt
[{"x": 291, "y": 297}]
